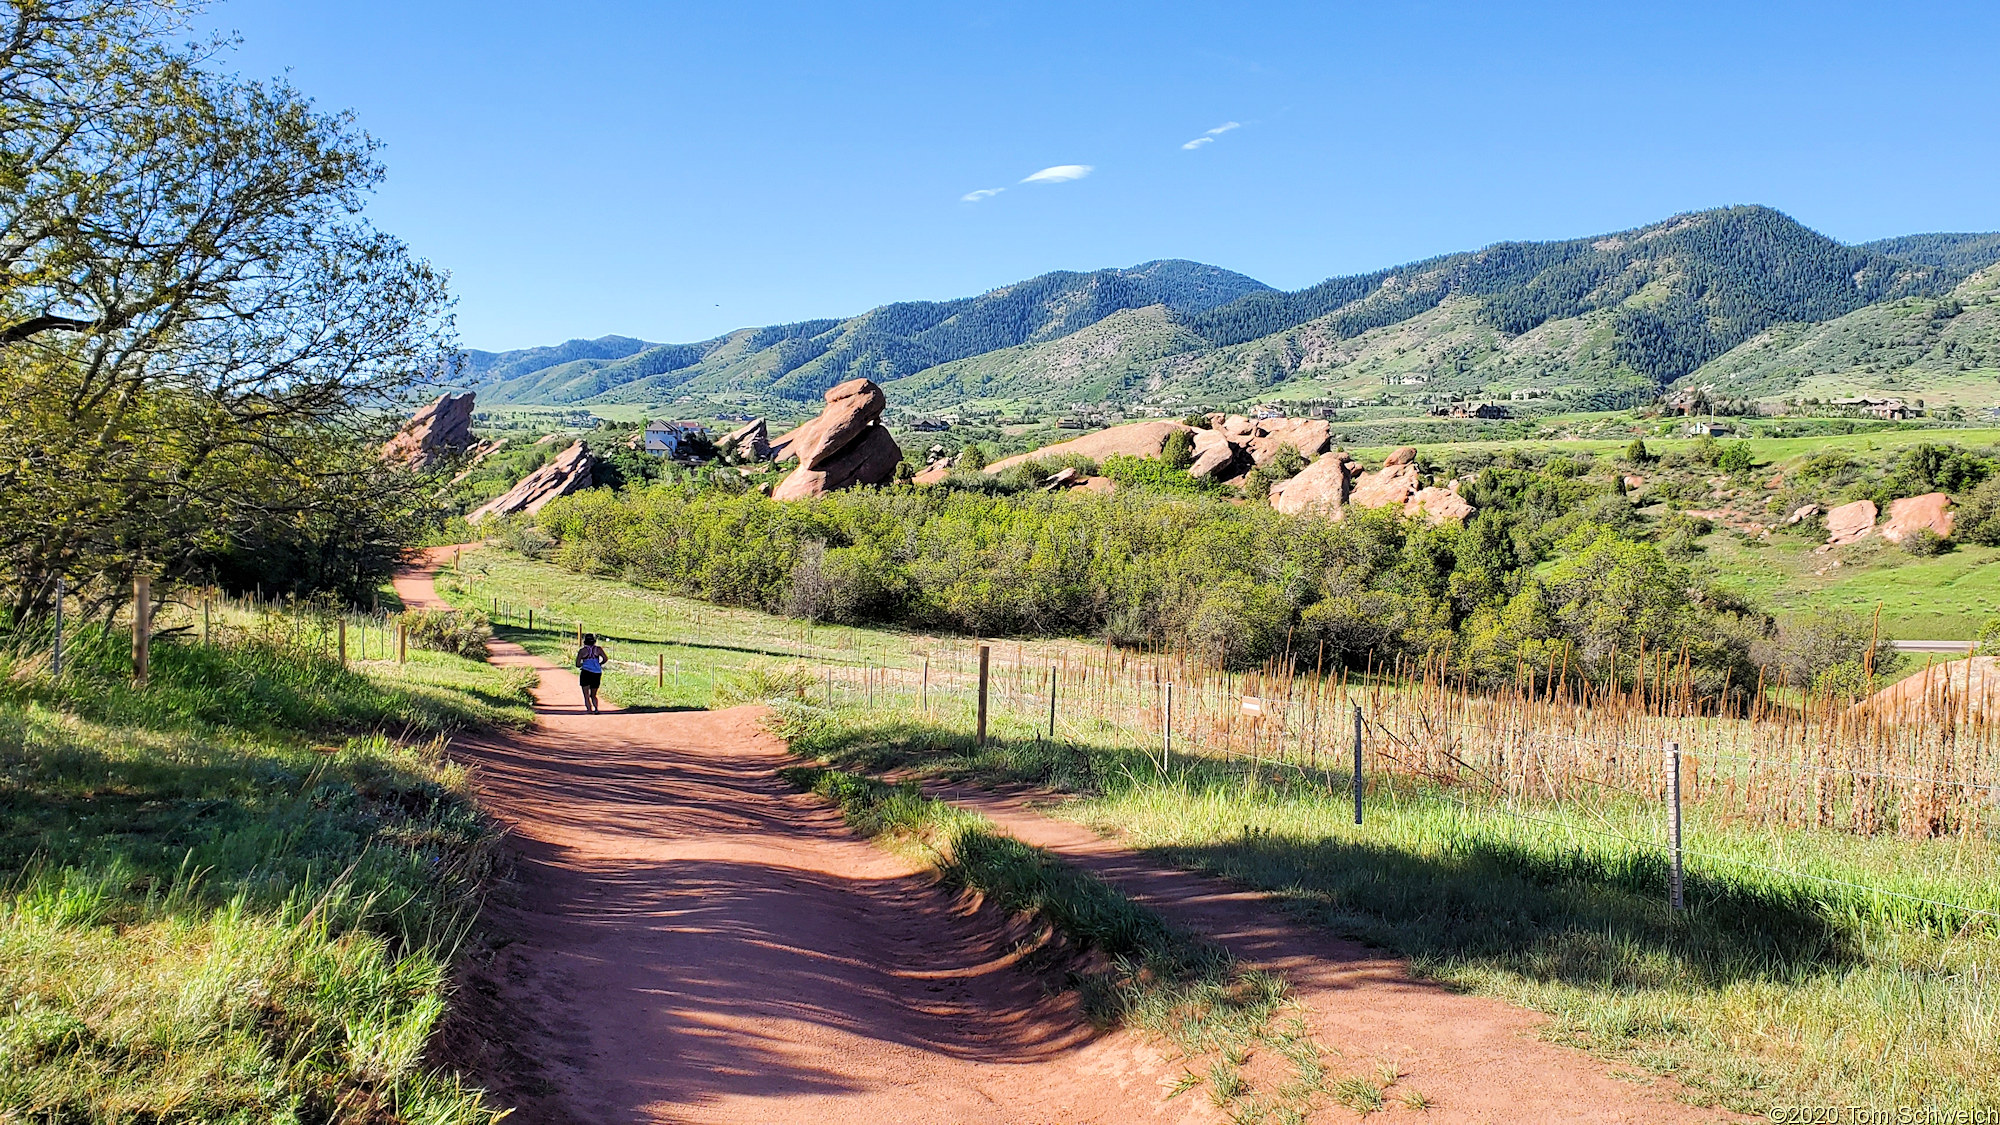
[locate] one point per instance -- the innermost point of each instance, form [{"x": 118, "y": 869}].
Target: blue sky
[{"x": 671, "y": 171}]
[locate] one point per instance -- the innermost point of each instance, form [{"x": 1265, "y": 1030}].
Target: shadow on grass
[{"x": 1419, "y": 880}]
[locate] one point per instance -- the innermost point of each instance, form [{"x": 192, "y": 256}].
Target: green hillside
[
  {"x": 1944, "y": 350},
  {"x": 1727, "y": 296},
  {"x": 800, "y": 361}
]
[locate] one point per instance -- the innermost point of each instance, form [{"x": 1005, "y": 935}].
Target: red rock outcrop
[
  {"x": 1135, "y": 439},
  {"x": 1310, "y": 436},
  {"x": 1850, "y": 522},
  {"x": 845, "y": 446},
  {"x": 1319, "y": 489},
  {"x": 1931, "y": 510},
  {"x": 1392, "y": 484},
  {"x": 569, "y": 472},
  {"x": 1215, "y": 456},
  {"x": 751, "y": 442},
  {"x": 1438, "y": 505},
  {"x": 434, "y": 434}
]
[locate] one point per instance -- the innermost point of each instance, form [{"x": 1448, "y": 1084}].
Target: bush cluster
[{"x": 1549, "y": 574}]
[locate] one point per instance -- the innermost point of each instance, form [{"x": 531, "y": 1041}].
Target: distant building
[
  {"x": 665, "y": 439},
  {"x": 1707, "y": 429},
  {"x": 930, "y": 425},
  {"x": 1893, "y": 409}
]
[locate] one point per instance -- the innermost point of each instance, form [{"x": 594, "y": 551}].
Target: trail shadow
[
  {"x": 689, "y": 931},
  {"x": 1588, "y": 918}
]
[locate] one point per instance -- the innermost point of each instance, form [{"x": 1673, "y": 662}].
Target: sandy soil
[{"x": 695, "y": 942}]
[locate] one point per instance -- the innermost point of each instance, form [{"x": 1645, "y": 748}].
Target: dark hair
[{"x": 590, "y": 638}]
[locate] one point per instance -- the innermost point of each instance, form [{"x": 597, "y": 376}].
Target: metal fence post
[
  {"x": 55, "y": 660},
  {"x": 1674, "y": 815},
  {"x": 1357, "y": 763},
  {"x": 1052, "y": 703},
  {"x": 1167, "y": 746},
  {"x": 927, "y": 687},
  {"x": 985, "y": 654},
  {"x": 142, "y": 626}
]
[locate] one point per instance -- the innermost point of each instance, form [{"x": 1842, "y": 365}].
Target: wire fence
[{"x": 1560, "y": 759}]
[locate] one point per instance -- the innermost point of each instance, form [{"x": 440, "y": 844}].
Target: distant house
[
  {"x": 1893, "y": 409},
  {"x": 930, "y": 425},
  {"x": 1707, "y": 429},
  {"x": 665, "y": 439}
]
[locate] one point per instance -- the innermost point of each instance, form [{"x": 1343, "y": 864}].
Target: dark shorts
[{"x": 589, "y": 679}]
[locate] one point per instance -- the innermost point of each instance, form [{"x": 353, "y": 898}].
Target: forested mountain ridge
[
  {"x": 800, "y": 361},
  {"x": 1604, "y": 320}
]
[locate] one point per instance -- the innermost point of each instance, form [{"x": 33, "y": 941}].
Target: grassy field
[
  {"x": 234, "y": 895},
  {"x": 1947, "y": 597},
  {"x": 1771, "y": 989}
]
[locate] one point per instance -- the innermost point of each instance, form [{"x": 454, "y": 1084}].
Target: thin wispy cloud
[
  {"x": 982, "y": 193},
  {"x": 1208, "y": 138},
  {"x": 1059, "y": 174}
]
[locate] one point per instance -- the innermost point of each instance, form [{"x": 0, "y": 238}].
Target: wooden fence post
[
  {"x": 985, "y": 654},
  {"x": 142, "y": 626},
  {"x": 663, "y": 672},
  {"x": 1167, "y": 745},
  {"x": 402, "y": 642},
  {"x": 343, "y": 642}
]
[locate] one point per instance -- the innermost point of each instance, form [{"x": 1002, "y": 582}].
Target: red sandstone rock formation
[
  {"x": 1931, "y": 510},
  {"x": 1136, "y": 439},
  {"x": 752, "y": 442},
  {"x": 1320, "y": 488},
  {"x": 845, "y": 446},
  {"x": 1850, "y": 522},
  {"x": 569, "y": 472},
  {"x": 434, "y": 434}
]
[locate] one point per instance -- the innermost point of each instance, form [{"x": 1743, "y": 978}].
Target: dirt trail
[
  {"x": 1477, "y": 1059},
  {"x": 696, "y": 942}
]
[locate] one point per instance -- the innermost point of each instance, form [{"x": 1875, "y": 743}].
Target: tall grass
[{"x": 233, "y": 894}]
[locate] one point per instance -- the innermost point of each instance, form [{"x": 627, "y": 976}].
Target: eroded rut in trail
[{"x": 692, "y": 941}]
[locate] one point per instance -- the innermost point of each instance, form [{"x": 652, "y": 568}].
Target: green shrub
[
  {"x": 1178, "y": 453},
  {"x": 1736, "y": 458},
  {"x": 1153, "y": 474},
  {"x": 1637, "y": 453},
  {"x": 1925, "y": 543},
  {"x": 970, "y": 459},
  {"x": 459, "y": 632}
]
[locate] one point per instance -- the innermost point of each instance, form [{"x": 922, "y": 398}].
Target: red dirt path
[{"x": 696, "y": 942}]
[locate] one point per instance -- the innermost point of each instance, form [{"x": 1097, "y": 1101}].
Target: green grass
[
  {"x": 233, "y": 895},
  {"x": 1768, "y": 990},
  {"x": 1947, "y": 597},
  {"x": 703, "y": 645},
  {"x": 1186, "y": 992}
]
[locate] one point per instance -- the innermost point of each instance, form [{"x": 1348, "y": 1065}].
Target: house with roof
[{"x": 665, "y": 439}]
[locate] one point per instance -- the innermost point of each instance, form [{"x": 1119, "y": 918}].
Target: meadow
[
  {"x": 235, "y": 894},
  {"x": 1813, "y": 962}
]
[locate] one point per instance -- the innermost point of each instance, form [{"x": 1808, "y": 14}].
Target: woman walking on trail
[{"x": 590, "y": 670}]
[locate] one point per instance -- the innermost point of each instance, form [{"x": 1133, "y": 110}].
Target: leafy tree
[
  {"x": 972, "y": 458},
  {"x": 1637, "y": 453},
  {"x": 195, "y": 320},
  {"x": 1736, "y": 458}
]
